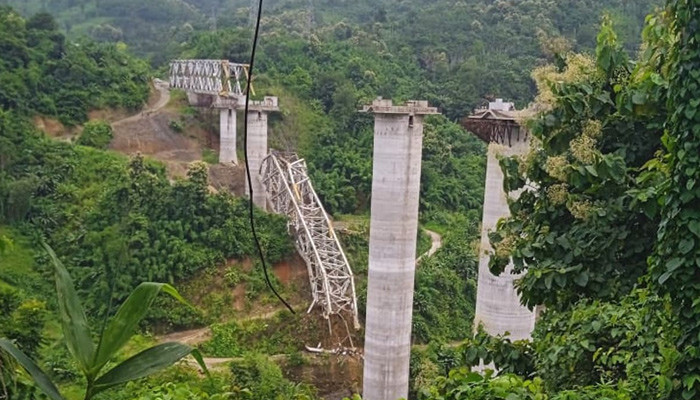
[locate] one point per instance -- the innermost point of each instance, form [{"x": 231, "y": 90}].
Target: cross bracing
[
  {"x": 290, "y": 192},
  {"x": 216, "y": 77}
]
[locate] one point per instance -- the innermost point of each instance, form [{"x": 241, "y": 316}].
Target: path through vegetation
[{"x": 195, "y": 337}]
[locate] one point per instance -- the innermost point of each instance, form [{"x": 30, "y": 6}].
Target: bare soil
[
  {"x": 55, "y": 129},
  {"x": 151, "y": 135},
  {"x": 228, "y": 178}
]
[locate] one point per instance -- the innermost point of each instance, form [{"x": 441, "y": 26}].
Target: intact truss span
[
  {"x": 290, "y": 192},
  {"x": 215, "y": 77}
]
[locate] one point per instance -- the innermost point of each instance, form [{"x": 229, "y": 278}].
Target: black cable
[{"x": 247, "y": 166}]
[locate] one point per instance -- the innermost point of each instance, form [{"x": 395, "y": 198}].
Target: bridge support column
[
  {"x": 257, "y": 151},
  {"x": 498, "y": 305},
  {"x": 398, "y": 141},
  {"x": 227, "y": 136}
]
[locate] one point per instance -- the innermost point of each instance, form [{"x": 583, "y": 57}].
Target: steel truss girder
[
  {"x": 290, "y": 192},
  {"x": 215, "y": 77}
]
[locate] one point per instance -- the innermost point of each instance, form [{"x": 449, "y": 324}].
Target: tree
[
  {"x": 621, "y": 305},
  {"x": 96, "y": 134},
  {"x": 579, "y": 229},
  {"x": 42, "y": 21},
  {"x": 676, "y": 261},
  {"x": 114, "y": 334}
]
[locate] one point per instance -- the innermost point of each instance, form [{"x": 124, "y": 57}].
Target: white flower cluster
[
  {"x": 581, "y": 209},
  {"x": 558, "y": 194},
  {"x": 579, "y": 67},
  {"x": 558, "y": 168}
]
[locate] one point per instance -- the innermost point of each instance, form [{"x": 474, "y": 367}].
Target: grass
[
  {"x": 283, "y": 333},
  {"x": 352, "y": 218},
  {"x": 17, "y": 265},
  {"x": 423, "y": 243},
  {"x": 209, "y": 156}
]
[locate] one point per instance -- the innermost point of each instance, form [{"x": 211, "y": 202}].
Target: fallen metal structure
[
  {"x": 290, "y": 192},
  {"x": 214, "y": 77}
]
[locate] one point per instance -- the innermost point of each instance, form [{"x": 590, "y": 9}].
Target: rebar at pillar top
[{"x": 413, "y": 107}]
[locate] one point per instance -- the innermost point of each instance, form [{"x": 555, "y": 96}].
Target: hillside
[
  {"x": 585, "y": 229},
  {"x": 466, "y": 51}
]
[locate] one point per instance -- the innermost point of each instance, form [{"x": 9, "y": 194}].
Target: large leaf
[
  {"x": 75, "y": 327},
  {"x": 42, "y": 381},
  {"x": 142, "y": 364},
  {"x": 121, "y": 327}
]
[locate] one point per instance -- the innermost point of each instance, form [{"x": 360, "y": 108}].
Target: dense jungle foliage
[
  {"x": 597, "y": 186},
  {"x": 41, "y": 72},
  {"x": 116, "y": 222},
  {"x": 605, "y": 229},
  {"x": 466, "y": 49}
]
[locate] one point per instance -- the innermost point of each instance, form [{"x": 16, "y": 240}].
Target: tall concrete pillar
[
  {"x": 498, "y": 305},
  {"x": 398, "y": 141},
  {"x": 257, "y": 151},
  {"x": 257, "y": 145},
  {"x": 227, "y": 137}
]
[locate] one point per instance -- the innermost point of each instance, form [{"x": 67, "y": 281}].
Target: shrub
[
  {"x": 96, "y": 134},
  {"x": 264, "y": 379},
  {"x": 176, "y": 126}
]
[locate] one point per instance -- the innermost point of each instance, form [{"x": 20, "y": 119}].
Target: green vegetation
[
  {"x": 263, "y": 378},
  {"x": 445, "y": 286},
  {"x": 114, "y": 334},
  {"x": 96, "y": 134},
  {"x": 614, "y": 163},
  {"x": 209, "y": 156},
  {"x": 276, "y": 335},
  {"x": 123, "y": 222},
  {"x": 676, "y": 257},
  {"x": 604, "y": 229},
  {"x": 179, "y": 382},
  {"x": 459, "y": 52},
  {"x": 176, "y": 126},
  {"x": 96, "y": 208},
  {"x": 40, "y": 72}
]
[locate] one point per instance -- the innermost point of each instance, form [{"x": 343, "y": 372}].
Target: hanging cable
[{"x": 247, "y": 166}]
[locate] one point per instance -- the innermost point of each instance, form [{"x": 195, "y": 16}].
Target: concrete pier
[
  {"x": 398, "y": 141},
  {"x": 227, "y": 137},
  {"x": 257, "y": 145},
  {"x": 257, "y": 150},
  {"x": 497, "y": 302}
]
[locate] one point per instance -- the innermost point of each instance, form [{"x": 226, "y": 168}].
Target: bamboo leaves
[
  {"x": 42, "y": 381},
  {"x": 143, "y": 364},
  {"x": 73, "y": 320},
  {"x": 121, "y": 327}
]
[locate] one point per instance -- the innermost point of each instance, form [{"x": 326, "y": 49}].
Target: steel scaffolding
[{"x": 290, "y": 192}]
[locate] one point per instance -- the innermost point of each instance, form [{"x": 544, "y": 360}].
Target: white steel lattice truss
[
  {"x": 218, "y": 77},
  {"x": 289, "y": 191}
]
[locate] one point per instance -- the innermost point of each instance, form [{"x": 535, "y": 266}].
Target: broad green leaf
[
  {"x": 639, "y": 97},
  {"x": 121, "y": 327},
  {"x": 690, "y": 112},
  {"x": 591, "y": 170},
  {"x": 664, "y": 277},
  {"x": 686, "y": 245},
  {"x": 582, "y": 279},
  {"x": 142, "y": 364},
  {"x": 75, "y": 326},
  {"x": 42, "y": 381},
  {"x": 673, "y": 264},
  {"x": 200, "y": 360},
  {"x": 694, "y": 227}
]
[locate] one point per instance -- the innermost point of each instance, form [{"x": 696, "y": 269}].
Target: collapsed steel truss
[
  {"x": 217, "y": 77},
  {"x": 289, "y": 192}
]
